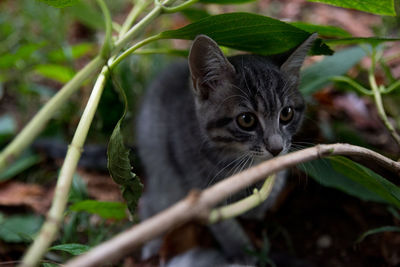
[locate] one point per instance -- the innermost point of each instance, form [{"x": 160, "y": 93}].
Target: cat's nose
[{"x": 274, "y": 144}]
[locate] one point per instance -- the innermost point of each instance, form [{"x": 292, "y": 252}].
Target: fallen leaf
[{"x": 21, "y": 194}]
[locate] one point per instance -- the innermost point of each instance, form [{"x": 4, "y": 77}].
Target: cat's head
[{"x": 247, "y": 104}]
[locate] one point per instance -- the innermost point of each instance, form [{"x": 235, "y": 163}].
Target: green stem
[
  {"x": 392, "y": 87},
  {"x": 177, "y": 8},
  {"x": 380, "y": 108},
  {"x": 107, "y": 44},
  {"x": 39, "y": 121},
  {"x": 35, "y": 126},
  {"x": 132, "y": 49},
  {"x": 50, "y": 227},
  {"x": 54, "y": 217},
  {"x": 133, "y": 15},
  {"x": 352, "y": 83},
  {"x": 138, "y": 27},
  {"x": 243, "y": 205}
]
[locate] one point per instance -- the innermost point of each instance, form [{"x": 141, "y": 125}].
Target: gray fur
[{"x": 188, "y": 135}]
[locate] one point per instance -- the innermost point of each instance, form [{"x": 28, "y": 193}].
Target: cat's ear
[
  {"x": 293, "y": 64},
  {"x": 209, "y": 67}
]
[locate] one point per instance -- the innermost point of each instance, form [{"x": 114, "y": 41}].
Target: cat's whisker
[{"x": 224, "y": 168}]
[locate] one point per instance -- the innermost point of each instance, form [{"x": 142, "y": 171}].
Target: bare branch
[{"x": 197, "y": 205}]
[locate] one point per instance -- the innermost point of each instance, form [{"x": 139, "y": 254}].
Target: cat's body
[{"x": 207, "y": 119}]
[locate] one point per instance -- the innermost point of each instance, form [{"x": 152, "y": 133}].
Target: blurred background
[{"x": 42, "y": 47}]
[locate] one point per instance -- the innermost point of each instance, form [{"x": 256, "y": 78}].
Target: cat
[{"x": 208, "y": 118}]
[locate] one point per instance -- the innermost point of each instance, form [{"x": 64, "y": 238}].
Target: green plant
[{"x": 264, "y": 36}]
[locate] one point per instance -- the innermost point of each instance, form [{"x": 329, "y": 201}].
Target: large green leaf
[
  {"x": 381, "y": 7},
  {"x": 319, "y": 74},
  {"x": 106, "y": 210},
  {"x": 322, "y": 30},
  {"x": 19, "y": 228},
  {"x": 354, "y": 179},
  {"x": 248, "y": 32},
  {"x": 73, "y": 249},
  {"x": 60, "y": 3}
]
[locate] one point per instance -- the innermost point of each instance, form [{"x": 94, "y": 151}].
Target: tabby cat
[{"x": 208, "y": 118}]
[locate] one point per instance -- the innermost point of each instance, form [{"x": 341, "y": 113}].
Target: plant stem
[
  {"x": 379, "y": 105},
  {"x": 157, "y": 10},
  {"x": 39, "y": 121},
  {"x": 107, "y": 43},
  {"x": 243, "y": 205},
  {"x": 176, "y": 8},
  {"x": 132, "y": 49},
  {"x": 352, "y": 83},
  {"x": 55, "y": 214},
  {"x": 50, "y": 227},
  {"x": 133, "y": 15},
  {"x": 198, "y": 204}
]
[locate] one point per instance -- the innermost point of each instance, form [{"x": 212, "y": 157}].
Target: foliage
[
  {"x": 382, "y": 7},
  {"x": 107, "y": 210},
  {"x": 19, "y": 228},
  {"x": 73, "y": 249},
  {"x": 35, "y": 67},
  {"x": 248, "y": 32}
]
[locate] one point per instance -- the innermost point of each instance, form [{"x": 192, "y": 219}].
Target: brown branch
[{"x": 197, "y": 205}]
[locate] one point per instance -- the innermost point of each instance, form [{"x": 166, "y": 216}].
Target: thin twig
[{"x": 197, "y": 205}]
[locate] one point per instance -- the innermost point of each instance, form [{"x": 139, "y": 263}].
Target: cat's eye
[
  {"x": 286, "y": 115},
  {"x": 247, "y": 121}
]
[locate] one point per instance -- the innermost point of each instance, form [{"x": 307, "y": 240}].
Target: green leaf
[
  {"x": 194, "y": 14},
  {"x": 87, "y": 15},
  {"x": 55, "y": 72},
  {"x": 19, "y": 228},
  {"x": 322, "y": 30},
  {"x": 223, "y": 2},
  {"x": 106, "y": 210},
  {"x": 71, "y": 52},
  {"x": 24, "y": 52},
  {"x": 248, "y": 32},
  {"x": 119, "y": 164},
  {"x": 319, "y": 74},
  {"x": 354, "y": 179},
  {"x": 377, "y": 231},
  {"x": 78, "y": 190},
  {"x": 18, "y": 166},
  {"x": 374, "y": 41},
  {"x": 381, "y": 7},
  {"x": 73, "y": 249},
  {"x": 60, "y": 3}
]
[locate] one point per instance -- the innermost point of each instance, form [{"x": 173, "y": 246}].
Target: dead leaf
[{"x": 21, "y": 194}]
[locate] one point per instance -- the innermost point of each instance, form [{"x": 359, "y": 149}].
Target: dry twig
[{"x": 197, "y": 205}]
